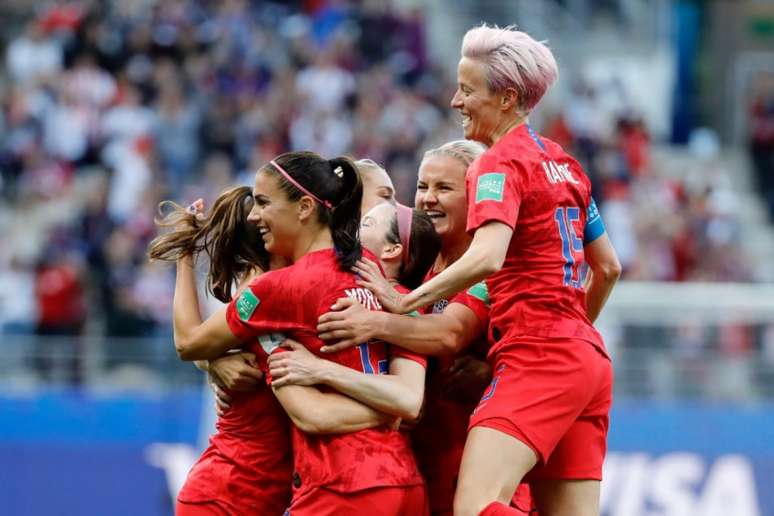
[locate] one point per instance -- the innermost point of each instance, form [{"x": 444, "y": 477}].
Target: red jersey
[
  {"x": 289, "y": 301},
  {"x": 248, "y": 465},
  {"x": 440, "y": 452},
  {"x": 530, "y": 184},
  {"x": 397, "y": 351}
]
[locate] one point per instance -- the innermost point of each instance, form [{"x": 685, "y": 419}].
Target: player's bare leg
[
  {"x": 493, "y": 464},
  {"x": 566, "y": 497}
]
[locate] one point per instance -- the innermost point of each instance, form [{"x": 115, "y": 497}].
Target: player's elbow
[
  {"x": 314, "y": 421},
  {"x": 486, "y": 254},
  {"x": 416, "y": 408},
  {"x": 490, "y": 264},
  {"x": 411, "y": 406},
  {"x": 603, "y": 261},
  {"x": 411, "y": 401},
  {"x": 184, "y": 348},
  {"x": 610, "y": 270},
  {"x": 451, "y": 341},
  {"x": 490, "y": 260},
  {"x": 189, "y": 349},
  {"x": 307, "y": 426}
]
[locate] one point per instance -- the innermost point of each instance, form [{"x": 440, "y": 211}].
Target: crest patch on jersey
[
  {"x": 246, "y": 304},
  {"x": 480, "y": 291},
  {"x": 490, "y": 187}
]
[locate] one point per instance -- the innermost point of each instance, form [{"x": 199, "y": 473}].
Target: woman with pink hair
[{"x": 535, "y": 227}]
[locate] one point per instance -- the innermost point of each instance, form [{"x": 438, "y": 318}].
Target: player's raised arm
[
  {"x": 196, "y": 339},
  {"x": 191, "y": 229},
  {"x": 484, "y": 257}
]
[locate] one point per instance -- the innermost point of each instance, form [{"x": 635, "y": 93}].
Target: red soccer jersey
[
  {"x": 439, "y": 437},
  {"x": 530, "y": 184},
  {"x": 399, "y": 352},
  {"x": 289, "y": 301},
  {"x": 248, "y": 465}
]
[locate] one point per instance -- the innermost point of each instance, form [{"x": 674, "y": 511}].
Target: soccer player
[
  {"x": 454, "y": 329},
  {"x": 247, "y": 467},
  {"x": 406, "y": 244},
  {"x": 534, "y": 225},
  {"x": 237, "y": 371},
  {"x": 307, "y": 211}
]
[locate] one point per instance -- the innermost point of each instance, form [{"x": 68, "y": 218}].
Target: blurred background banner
[{"x": 108, "y": 107}]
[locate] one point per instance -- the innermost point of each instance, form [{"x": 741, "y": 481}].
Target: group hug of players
[{"x": 434, "y": 360}]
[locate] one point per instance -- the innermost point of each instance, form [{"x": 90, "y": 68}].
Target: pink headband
[
  {"x": 405, "y": 216},
  {"x": 295, "y": 183}
]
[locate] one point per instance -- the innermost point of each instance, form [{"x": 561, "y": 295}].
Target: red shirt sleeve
[
  {"x": 261, "y": 309},
  {"x": 494, "y": 191},
  {"x": 476, "y": 298},
  {"x": 399, "y": 352}
]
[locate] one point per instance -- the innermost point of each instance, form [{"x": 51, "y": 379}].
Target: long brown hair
[{"x": 233, "y": 245}]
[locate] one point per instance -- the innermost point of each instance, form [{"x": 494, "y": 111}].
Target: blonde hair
[
  {"x": 513, "y": 59},
  {"x": 465, "y": 151},
  {"x": 365, "y": 166}
]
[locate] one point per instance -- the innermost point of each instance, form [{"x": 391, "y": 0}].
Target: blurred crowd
[
  {"x": 110, "y": 107},
  {"x": 672, "y": 216}
]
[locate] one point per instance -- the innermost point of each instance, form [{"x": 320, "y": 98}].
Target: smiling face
[
  {"x": 275, "y": 215},
  {"x": 482, "y": 114},
  {"x": 441, "y": 194}
]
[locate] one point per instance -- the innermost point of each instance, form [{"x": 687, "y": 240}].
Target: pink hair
[{"x": 513, "y": 60}]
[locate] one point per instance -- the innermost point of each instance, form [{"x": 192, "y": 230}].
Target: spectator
[
  {"x": 18, "y": 303},
  {"x": 62, "y": 313},
  {"x": 34, "y": 57},
  {"x": 177, "y": 129}
]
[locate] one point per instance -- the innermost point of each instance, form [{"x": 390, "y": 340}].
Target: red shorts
[
  {"x": 200, "y": 509},
  {"x": 555, "y": 397},
  {"x": 378, "y": 501},
  {"x": 522, "y": 500}
]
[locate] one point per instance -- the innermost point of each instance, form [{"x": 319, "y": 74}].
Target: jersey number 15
[{"x": 571, "y": 244}]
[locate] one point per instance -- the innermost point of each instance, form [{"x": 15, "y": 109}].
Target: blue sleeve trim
[{"x": 595, "y": 228}]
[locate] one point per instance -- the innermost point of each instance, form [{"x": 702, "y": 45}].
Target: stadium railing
[{"x": 667, "y": 340}]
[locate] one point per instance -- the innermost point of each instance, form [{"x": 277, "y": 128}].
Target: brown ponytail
[
  {"x": 182, "y": 240},
  {"x": 233, "y": 245}
]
